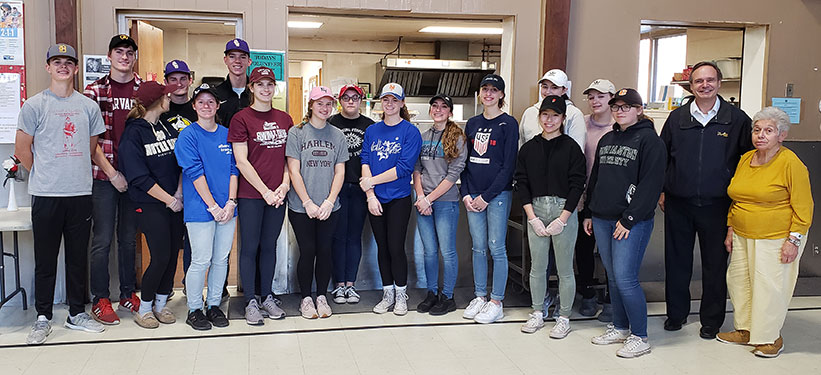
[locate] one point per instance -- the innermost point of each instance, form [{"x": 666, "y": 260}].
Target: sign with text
[{"x": 275, "y": 60}]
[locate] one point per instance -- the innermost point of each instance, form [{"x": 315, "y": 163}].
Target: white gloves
[
  {"x": 555, "y": 227},
  {"x": 119, "y": 182},
  {"x": 538, "y": 226}
]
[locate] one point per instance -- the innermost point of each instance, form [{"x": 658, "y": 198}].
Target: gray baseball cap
[{"x": 61, "y": 50}]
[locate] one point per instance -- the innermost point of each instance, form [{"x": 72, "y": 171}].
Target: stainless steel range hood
[{"x": 428, "y": 77}]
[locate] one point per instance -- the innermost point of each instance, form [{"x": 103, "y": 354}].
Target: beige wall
[
  {"x": 707, "y": 44},
  {"x": 604, "y": 43}
]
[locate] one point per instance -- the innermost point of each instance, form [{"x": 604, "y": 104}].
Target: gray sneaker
[
  {"x": 252, "y": 315},
  {"x": 589, "y": 307},
  {"x": 83, "y": 322},
  {"x": 39, "y": 331},
  {"x": 606, "y": 314},
  {"x": 271, "y": 306}
]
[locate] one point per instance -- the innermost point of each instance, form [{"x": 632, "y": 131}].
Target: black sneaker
[
  {"x": 443, "y": 306},
  {"x": 216, "y": 317},
  {"x": 197, "y": 320},
  {"x": 429, "y": 301}
]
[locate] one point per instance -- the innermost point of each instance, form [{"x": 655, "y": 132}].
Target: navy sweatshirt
[
  {"x": 147, "y": 158},
  {"x": 385, "y": 147},
  {"x": 627, "y": 175},
  {"x": 492, "y": 146}
]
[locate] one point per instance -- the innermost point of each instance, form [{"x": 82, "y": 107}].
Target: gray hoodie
[{"x": 434, "y": 167}]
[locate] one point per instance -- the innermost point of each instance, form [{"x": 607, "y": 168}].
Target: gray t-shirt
[
  {"x": 318, "y": 152},
  {"x": 434, "y": 167},
  {"x": 62, "y": 129}
]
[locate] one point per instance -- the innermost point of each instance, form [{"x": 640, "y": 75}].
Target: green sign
[{"x": 271, "y": 59}]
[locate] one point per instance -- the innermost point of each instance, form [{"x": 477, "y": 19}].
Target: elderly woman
[{"x": 770, "y": 216}]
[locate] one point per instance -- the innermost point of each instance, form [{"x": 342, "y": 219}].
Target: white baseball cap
[
  {"x": 601, "y": 85},
  {"x": 393, "y": 89},
  {"x": 557, "y": 76}
]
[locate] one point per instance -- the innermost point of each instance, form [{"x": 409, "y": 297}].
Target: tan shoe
[
  {"x": 769, "y": 350},
  {"x": 165, "y": 316},
  {"x": 146, "y": 320},
  {"x": 738, "y": 337}
]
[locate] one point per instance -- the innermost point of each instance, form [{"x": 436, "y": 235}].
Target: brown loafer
[
  {"x": 769, "y": 350},
  {"x": 165, "y": 316},
  {"x": 739, "y": 337}
]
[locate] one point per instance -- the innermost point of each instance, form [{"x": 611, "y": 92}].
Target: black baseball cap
[
  {"x": 493, "y": 80},
  {"x": 444, "y": 98},
  {"x": 556, "y": 103},
  {"x": 121, "y": 40},
  {"x": 204, "y": 88},
  {"x": 628, "y": 96}
]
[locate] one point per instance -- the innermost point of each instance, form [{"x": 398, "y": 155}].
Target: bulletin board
[{"x": 12, "y": 68}]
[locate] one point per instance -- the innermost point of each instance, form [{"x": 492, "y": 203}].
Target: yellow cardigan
[{"x": 771, "y": 200}]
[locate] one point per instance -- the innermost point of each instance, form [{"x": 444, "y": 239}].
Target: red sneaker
[
  {"x": 103, "y": 313},
  {"x": 131, "y": 304}
]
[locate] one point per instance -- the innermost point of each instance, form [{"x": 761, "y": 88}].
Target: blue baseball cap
[
  {"x": 393, "y": 89},
  {"x": 237, "y": 44},
  {"x": 176, "y": 66}
]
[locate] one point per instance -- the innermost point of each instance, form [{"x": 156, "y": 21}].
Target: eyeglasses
[
  {"x": 349, "y": 98},
  {"x": 623, "y": 107}
]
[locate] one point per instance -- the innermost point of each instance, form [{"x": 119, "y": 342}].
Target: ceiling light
[
  {"x": 304, "y": 24},
  {"x": 462, "y": 30}
]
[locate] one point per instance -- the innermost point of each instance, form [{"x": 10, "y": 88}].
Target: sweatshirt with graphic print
[
  {"x": 385, "y": 147},
  {"x": 492, "y": 147},
  {"x": 147, "y": 158}
]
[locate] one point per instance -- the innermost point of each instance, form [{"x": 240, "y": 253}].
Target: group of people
[{"x": 185, "y": 170}]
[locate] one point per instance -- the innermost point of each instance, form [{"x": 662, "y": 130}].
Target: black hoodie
[
  {"x": 147, "y": 158},
  {"x": 627, "y": 175}
]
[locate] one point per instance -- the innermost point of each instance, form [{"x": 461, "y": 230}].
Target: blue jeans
[
  {"x": 622, "y": 260},
  {"x": 488, "y": 231},
  {"x": 438, "y": 233},
  {"x": 210, "y": 245},
  {"x": 347, "y": 238},
  {"x": 110, "y": 207}
]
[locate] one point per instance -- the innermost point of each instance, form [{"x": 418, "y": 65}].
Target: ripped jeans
[{"x": 488, "y": 231}]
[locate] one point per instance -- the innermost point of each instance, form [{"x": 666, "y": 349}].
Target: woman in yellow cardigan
[{"x": 767, "y": 225}]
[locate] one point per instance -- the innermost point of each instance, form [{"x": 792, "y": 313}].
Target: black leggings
[
  {"x": 315, "y": 240},
  {"x": 389, "y": 231},
  {"x": 258, "y": 232},
  {"x": 163, "y": 230}
]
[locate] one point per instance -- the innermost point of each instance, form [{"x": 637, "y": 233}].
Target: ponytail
[
  {"x": 137, "y": 110},
  {"x": 308, "y": 115},
  {"x": 450, "y": 140}
]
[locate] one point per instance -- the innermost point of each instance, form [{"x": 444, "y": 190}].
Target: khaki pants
[{"x": 760, "y": 287}]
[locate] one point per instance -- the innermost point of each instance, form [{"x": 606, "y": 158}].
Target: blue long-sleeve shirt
[
  {"x": 492, "y": 146},
  {"x": 385, "y": 147},
  {"x": 203, "y": 153}
]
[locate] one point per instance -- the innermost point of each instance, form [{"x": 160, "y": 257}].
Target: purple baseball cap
[
  {"x": 237, "y": 44},
  {"x": 176, "y": 66}
]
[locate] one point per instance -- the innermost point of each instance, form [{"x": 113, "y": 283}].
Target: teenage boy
[
  {"x": 232, "y": 92},
  {"x": 180, "y": 111},
  {"x": 554, "y": 82},
  {"x": 114, "y": 94},
  {"x": 57, "y": 133}
]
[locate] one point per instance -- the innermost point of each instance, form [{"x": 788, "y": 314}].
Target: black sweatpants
[
  {"x": 54, "y": 219},
  {"x": 315, "y": 240},
  {"x": 389, "y": 231},
  {"x": 163, "y": 230},
  {"x": 682, "y": 222}
]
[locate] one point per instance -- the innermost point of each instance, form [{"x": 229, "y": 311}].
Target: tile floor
[{"x": 365, "y": 343}]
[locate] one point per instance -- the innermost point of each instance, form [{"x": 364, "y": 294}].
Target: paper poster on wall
[
  {"x": 11, "y": 33},
  {"x": 276, "y": 61},
  {"x": 95, "y": 67},
  {"x": 792, "y": 106},
  {"x": 9, "y": 106}
]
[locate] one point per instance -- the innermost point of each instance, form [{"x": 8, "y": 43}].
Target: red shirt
[
  {"x": 265, "y": 133},
  {"x": 122, "y": 99}
]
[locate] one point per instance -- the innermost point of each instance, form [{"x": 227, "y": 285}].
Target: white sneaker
[
  {"x": 611, "y": 336},
  {"x": 307, "y": 308},
  {"x": 322, "y": 307},
  {"x": 83, "y": 322},
  {"x": 351, "y": 296},
  {"x": 490, "y": 313},
  {"x": 386, "y": 303},
  {"x": 39, "y": 331},
  {"x": 474, "y": 307},
  {"x": 401, "y": 302},
  {"x": 561, "y": 328},
  {"x": 339, "y": 294},
  {"x": 534, "y": 323},
  {"x": 633, "y": 347}
]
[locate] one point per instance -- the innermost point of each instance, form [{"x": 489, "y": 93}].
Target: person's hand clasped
[
  {"x": 119, "y": 182},
  {"x": 621, "y": 233},
  {"x": 175, "y": 205},
  {"x": 228, "y": 209},
  {"x": 468, "y": 203},
  {"x": 280, "y": 193},
  {"x": 311, "y": 209},
  {"x": 270, "y": 197},
  {"x": 479, "y": 204},
  {"x": 538, "y": 226},
  {"x": 217, "y": 212},
  {"x": 325, "y": 210},
  {"x": 365, "y": 183},
  {"x": 788, "y": 252},
  {"x": 555, "y": 227},
  {"x": 423, "y": 205},
  {"x": 374, "y": 207}
]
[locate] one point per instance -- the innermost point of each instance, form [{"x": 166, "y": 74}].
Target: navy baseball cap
[
  {"x": 176, "y": 66},
  {"x": 493, "y": 80},
  {"x": 237, "y": 44},
  {"x": 61, "y": 50}
]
